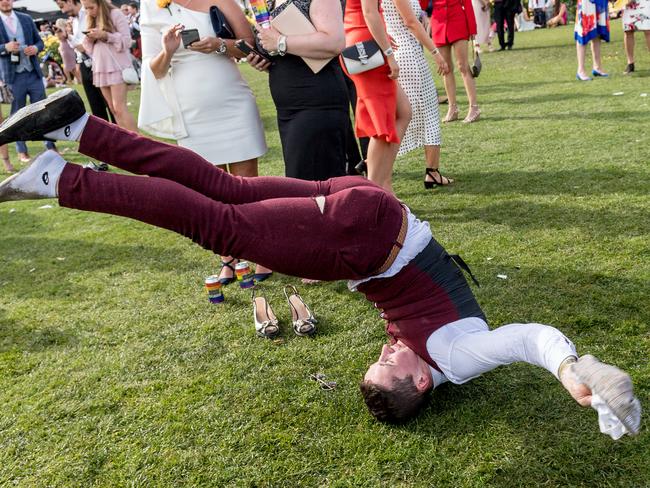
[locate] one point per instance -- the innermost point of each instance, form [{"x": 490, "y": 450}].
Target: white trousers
[{"x": 467, "y": 348}]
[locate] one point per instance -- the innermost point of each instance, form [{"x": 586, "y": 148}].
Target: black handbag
[
  {"x": 476, "y": 66},
  {"x": 220, "y": 24},
  {"x": 362, "y": 56}
]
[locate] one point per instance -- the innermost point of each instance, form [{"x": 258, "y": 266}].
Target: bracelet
[
  {"x": 568, "y": 361},
  {"x": 435, "y": 51},
  {"x": 389, "y": 51}
]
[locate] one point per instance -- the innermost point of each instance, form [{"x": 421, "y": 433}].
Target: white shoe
[
  {"x": 614, "y": 386},
  {"x": 266, "y": 323},
  {"x": 38, "y": 180}
]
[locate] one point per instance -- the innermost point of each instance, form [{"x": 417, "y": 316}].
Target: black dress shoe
[
  {"x": 32, "y": 122},
  {"x": 509, "y": 47}
]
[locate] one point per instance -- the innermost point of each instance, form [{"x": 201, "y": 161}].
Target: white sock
[
  {"x": 71, "y": 132},
  {"x": 42, "y": 176}
]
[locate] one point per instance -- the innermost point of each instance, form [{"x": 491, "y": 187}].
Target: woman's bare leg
[
  {"x": 382, "y": 154},
  {"x": 450, "y": 84}
]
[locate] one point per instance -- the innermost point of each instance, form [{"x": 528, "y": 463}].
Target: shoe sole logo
[
  {"x": 67, "y": 131},
  {"x": 46, "y": 178}
]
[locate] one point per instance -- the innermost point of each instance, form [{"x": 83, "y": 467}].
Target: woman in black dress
[{"x": 312, "y": 108}]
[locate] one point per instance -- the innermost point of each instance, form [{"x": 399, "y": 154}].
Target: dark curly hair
[{"x": 396, "y": 405}]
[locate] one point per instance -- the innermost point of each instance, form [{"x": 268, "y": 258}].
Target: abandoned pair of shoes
[
  {"x": 613, "y": 386},
  {"x": 266, "y": 322},
  {"x": 61, "y": 116}
]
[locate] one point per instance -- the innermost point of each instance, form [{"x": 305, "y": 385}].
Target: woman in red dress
[
  {"x": 452, "y": 24},
  {"x": 383, "y": 111}
]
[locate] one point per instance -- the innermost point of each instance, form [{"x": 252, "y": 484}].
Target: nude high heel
[
  {"x": 452, "y": 114},
  {"x": 473, "y": 115},
  {"x": 266, "y": 323},
  {"x": 303, "y": 320}
]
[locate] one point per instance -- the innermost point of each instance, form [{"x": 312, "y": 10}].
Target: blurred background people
[
  {"x": 483, "y": 22},
  {"x": 452, "y": 25},
  {"x": 196, "y": 94},
  {"x": 504, "y": 12},
  {"x": 523, "y": 22},
  {"x": 20, "y": 44},
  {"x": 559, "y": 16},
  {"x": 383, "y": 111},
  {"x": 538, "y": 8},
  {"x": 406, "y": 30},
  {"x": 61, "y": 28},
  {"x": 5, "y": 98},
  {"x": 134, "y": 25},
  {"x": 108, "y": 41},
  {"x": 592, "y": 25},
  {"x": 77, "y": 14},
  {"x": 636, "y": 17}
]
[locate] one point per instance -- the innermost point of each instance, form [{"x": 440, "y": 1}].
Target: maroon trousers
[{"x": 274, "y": 221}]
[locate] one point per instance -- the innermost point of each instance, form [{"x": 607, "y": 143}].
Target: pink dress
[
  {"x": 112, "y": 56},
  {"x": 67, "y": 55}
]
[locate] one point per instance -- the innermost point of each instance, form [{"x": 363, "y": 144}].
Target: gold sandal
[
  {"x": 473, "y": 115},
  {"x": 452, "y": 114}
]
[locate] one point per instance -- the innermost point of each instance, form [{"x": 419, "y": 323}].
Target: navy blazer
[{"x": 7, "y": 68}]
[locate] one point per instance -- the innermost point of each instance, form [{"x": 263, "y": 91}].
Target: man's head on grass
[{"x": 397, "y": 385}]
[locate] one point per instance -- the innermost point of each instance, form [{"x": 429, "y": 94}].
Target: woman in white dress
[
  {"x": 482, "y": 14},
  {"x": 196, "y": 95},
  {"x": 404, "y": 26},
  {"x": 636, "y": 17}
]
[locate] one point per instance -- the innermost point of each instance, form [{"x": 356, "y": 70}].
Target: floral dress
[
  {"x": 636, "y": 16},
  {"x": 592, "y": 20}
]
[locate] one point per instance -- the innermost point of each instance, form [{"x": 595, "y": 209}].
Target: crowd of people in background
[{"x": 395, "y": 107}]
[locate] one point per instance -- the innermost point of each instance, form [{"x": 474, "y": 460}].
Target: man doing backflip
[{"x": 343, "y": 228}]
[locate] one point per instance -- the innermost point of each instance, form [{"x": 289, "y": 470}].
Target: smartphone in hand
[
  {"x": 189, "y": 36},
  {"x": 246, "y": 48}
]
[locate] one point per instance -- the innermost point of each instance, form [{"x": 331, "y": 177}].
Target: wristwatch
[
  {"x": 388, "y": 51},
  {"x": 222, "y": 47},
  {"x": 435, "y": 51},
  {"x": 282, "y": 45}
]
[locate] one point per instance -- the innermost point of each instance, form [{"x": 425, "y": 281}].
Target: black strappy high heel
[
  {"x": 432, "y": 184},
  {"x": 228, "y": 264}
]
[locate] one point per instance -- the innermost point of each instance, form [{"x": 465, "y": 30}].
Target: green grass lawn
[{"x": 115, "y": 371}]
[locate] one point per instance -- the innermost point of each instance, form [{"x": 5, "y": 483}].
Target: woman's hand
[
  {"x": 268, "y": 38},
  {"x": 97, "y": 34},
  {"x": 171, "y": 40},
  {"x": 258, "y": 62},
  {"x": 392, "y": 65},
  {"x": 443, "y": 67},
  {"x": 207, "y": 45}
]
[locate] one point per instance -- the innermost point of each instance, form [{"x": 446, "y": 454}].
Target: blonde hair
[{"x": 103, "y": 20}]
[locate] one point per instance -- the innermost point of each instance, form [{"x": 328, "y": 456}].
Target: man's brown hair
[{"x": 396, "y": 405}]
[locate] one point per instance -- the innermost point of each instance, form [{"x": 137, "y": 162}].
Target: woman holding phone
[
  {"x": 107, "y": 40},
  {"x": 193, "y": 92}
]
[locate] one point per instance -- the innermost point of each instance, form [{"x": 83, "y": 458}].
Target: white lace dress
[
  {"x": 203, "y": 102},
  {"x": 415, "y": 79}
]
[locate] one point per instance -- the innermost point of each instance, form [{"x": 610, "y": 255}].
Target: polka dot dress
[{"x": 416, "y": 81}]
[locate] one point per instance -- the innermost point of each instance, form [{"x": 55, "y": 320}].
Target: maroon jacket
[{"x": 429, "y": 292}]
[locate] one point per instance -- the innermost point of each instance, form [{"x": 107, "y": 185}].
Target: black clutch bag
[
  {"x": 220, "y": 24},
  {"x": 362, "y": 56}
]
